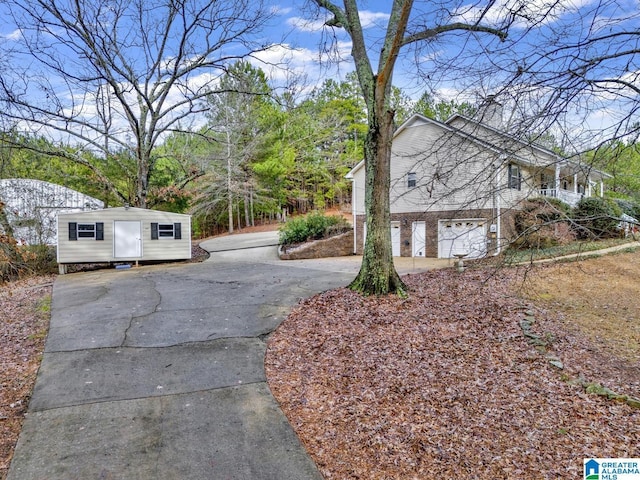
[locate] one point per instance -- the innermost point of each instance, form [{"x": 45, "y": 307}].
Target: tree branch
[{"x": 434, "y": 32}]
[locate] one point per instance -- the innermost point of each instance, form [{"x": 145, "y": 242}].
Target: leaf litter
[{"x": 445, "y": 384}]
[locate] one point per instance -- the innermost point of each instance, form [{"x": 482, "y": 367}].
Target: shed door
[{"x": 127, "y": 239}]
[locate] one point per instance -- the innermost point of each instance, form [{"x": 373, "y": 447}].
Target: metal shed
[{"x": 122, "y": 234}]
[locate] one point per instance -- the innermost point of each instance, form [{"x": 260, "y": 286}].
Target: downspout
[
  {"x": 497, "y": 204},
  {"x": 353, "y": 214},
  {"x": 498, "y": 213}
]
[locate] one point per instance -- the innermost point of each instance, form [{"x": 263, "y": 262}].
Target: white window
[
  {"x": 411, "y": 179},
  {"x": 514, "y": 177},
  {"x": 86, "y": 231},
  {"x": 166, "y": 231}
]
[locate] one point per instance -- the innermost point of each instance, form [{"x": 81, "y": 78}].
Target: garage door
[{"x": 458, "y": 237}]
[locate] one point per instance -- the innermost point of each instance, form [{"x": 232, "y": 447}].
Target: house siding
[
  {"x": 451, "y": 172},
  {"x": 458, "y": 170},
  {"x": 91, "y": 250}
]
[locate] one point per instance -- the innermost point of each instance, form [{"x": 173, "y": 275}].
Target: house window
[
  {"x": 86, "y": 231},
  {"x": 166, "y": 231},
  {"x": 514, "y": 177},
  {"x": 411, "y": 179}
]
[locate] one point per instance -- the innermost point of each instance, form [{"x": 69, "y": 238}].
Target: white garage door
[{"x": 457, "y": 237}]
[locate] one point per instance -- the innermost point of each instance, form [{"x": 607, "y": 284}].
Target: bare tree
[
  {"x": 377, "y": 274},
  {"x": 120, "y": 75},
  {"x": 581, "y": 76}
]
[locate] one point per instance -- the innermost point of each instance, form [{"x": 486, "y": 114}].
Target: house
[
  {"x": 31, "y": 207},
  {"x": 122, "y": 234},
  {"x": 455, "y": 185}
]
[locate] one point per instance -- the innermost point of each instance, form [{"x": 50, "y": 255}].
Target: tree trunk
[
  {"x": 377, "y": 274},
  {"x": 247, "y": 219},
  {"x": 141, "y": 184},
  {"x": 229, "y": 191},
  {"x": 253, "y": 223}
]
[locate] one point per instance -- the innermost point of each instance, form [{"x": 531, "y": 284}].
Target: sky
[{"x": 447, "y": 67}]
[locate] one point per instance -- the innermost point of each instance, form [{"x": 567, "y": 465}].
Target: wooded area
[{"x": 161, "y": 104}]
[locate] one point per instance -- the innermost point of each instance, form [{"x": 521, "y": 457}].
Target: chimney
[{"x": 490, "y": 112}]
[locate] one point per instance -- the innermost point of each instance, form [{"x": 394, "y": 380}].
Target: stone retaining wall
[{"x": 338, "y": 246}]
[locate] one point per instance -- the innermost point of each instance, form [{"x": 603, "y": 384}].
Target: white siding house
[
  {"x": 122, "y": 234},
  {"x": 455, "y": 185}
]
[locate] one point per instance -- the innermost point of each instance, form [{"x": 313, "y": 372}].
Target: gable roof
[
  {"x": 532, "y": 145},
  {"x": 417, "y": 120}
]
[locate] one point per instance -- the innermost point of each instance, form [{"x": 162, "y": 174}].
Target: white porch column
[
  {"x": 556, "y": 179},
  {"x": 601, "y": 188},
  {"x": 575, "y": 183},
  {"x": 589, "y": 192}
]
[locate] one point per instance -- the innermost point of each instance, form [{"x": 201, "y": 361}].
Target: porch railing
[{"x": 568, "y": 197}]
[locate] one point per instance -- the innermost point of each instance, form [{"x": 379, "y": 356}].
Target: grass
[{"x": 513, "y": 256}]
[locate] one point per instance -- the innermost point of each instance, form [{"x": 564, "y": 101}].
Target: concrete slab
[
  {"x": 111, "y": 374},
  {"x": 236, "y": 433}
]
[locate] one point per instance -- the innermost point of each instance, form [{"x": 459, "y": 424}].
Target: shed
[
  {"x": 122, "y": 234},
  {"x": 31, "y": 207}
]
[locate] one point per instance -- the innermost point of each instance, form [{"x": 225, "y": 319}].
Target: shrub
[
  {"x": 19, "y": 260},
  {"x": 311, "y": 227},
  {"x": 596, "y": 217},
  {"x": 630, "y": 207},
  {"x": 542, "y": 223}
]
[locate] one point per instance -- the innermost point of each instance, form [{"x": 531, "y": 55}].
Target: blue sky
[{"x": 445, "y": 66}]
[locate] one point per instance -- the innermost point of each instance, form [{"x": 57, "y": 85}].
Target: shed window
[
  {"x": 515, "y": 177},
  {"x": 411, "y": 179},
  {"x": 86, "y": 231},
  {"x": 171, "y": 231}
]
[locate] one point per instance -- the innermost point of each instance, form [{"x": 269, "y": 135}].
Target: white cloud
[
  {"x": 306, "y": 25},
  {"x": 14, "y": 36},
  {"x": 367, "y": 19},
  {"x": 373, "y": 19},
  {"x": 280, "y": 60},
  {"x": 525, "y": 12}
]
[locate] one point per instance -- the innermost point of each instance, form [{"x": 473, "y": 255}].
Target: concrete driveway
[{"x": 157, "y": 372}]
